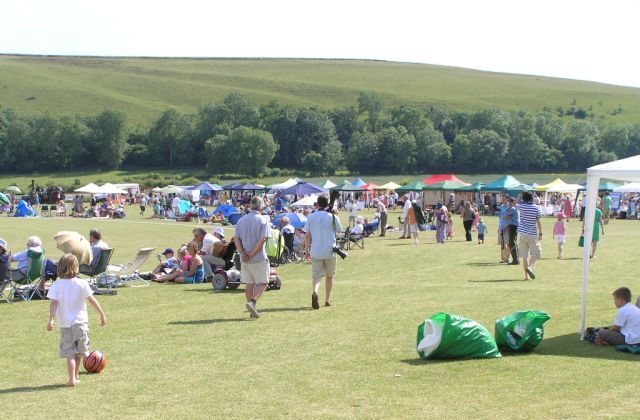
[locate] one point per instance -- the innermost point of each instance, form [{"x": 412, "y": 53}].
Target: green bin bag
[
  {"x": 447, "y": 336},
  {"x": 521, "y": 331},
  {"x": 274, "y": 244}
]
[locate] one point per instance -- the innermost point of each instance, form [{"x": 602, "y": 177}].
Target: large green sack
[
  {"x": 521, "y": 331},
  {"x": 447, "y": 336},
  {"x": 274, "y": 244}
]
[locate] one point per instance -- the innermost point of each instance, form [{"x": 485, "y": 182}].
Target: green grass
[
  {"x": 67, "y": 178},
  {"x": 191, "y": 352},
  {"x": 143, "y": 88}
]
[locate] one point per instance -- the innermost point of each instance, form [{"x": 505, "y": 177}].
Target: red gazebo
[{"x": 434, "y": 179}]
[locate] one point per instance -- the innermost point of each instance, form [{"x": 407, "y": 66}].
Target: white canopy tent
[
  {"x": 90, "y": 188},
  {"x": 328, "y": 184},
  {"x": 628, "y": 187},
  {"x": 622, "y": 170},
  {"x": 566, "y": 188},
  {"x": 111, "y": 189},
  {"x": 308, "y": 201}
]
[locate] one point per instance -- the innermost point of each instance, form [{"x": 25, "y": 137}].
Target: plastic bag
[
  {"x": 521, "y": 331},
  {"x": 447, "y": 336}
]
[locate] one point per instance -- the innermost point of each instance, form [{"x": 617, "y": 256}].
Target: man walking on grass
[
  {"x": 322, "y": 227},
  {"x": 530, "y": 231},
  {"x": 252, "y": 232}
]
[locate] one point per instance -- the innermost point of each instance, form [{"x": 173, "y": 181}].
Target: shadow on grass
[
  {"x": 212, "y": 290},
  {"x": 494, "y": 281},
  {"x": 571, "y": 345},
  {"x": 24, "y": 389},
  {"x": 298, "y": 309},
  {"x": 483, "y": 264},
  {"x": 209, "y": 321}
]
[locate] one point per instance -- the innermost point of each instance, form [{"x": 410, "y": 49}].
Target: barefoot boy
[{"x": 69, "y": 297}]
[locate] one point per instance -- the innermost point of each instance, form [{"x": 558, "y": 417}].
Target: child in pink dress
[{"x": 559, "y": 233}]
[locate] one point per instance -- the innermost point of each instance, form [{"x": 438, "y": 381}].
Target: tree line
[{"x": 239, "y": 136}]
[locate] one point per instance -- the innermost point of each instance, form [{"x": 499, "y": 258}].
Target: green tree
[
  {"x": 240, "y": 111},
  {"x": 492, "y": 119},
  {"x": 433, "y": 154},
  {"x": 550, "y": 129},
  {"x": 480, "y": 150},
  {"x": 362, "y": 155},
  {"x": 168, "y": 136},
  {"x": 281, "y": 123},
  {"x": 72, "y": 135},
  {"x": 580, "y": 145},
  {"x": 410, "y": 118},
  {"x": 107, "y": 139},
  {"x": 244, "y": 150},
  {"x": 370, "y": 107},
  {"x": 345, "y": 121},
  {"x": 332, "y": 156},
  {"x": 314, "y": 163},
  {"x": 397, "y": 151},
  {"x": 615, "y": 139}
]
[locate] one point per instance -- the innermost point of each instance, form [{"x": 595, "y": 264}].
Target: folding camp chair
[
  {"x": 128, "y": 274},
  {"x": 100, "y": 267},
  {"x": 4, "y": 278},
  {"x": 25, "y": 287},
  {"x": 349, "y": 240}
]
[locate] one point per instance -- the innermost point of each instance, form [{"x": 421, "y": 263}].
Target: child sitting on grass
[
  {"x": 626, "y": 327},
  {"x": 69, "y": 297}
]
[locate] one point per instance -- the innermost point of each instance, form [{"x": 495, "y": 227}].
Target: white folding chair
[{"x": 128, "y": 274}]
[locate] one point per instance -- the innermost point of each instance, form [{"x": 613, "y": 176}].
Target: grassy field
[
  {"x": 143, "y": 88},
  {"x": 191, "y": 352},
  {"x": 119, "y": 176}
]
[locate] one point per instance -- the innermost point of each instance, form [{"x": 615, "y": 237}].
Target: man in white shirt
[
  {"x": 175, "y": 205},
  {"x": 406, "y": 234},
  {"x": 626, "y": 327},
  {"x": 353, "y": 212},
  {"x": 207, "y": 242},
  {"x": 33, "y": 244}
]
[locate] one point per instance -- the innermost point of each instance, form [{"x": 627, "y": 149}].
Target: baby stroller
[{"x": 229, "y": 276}]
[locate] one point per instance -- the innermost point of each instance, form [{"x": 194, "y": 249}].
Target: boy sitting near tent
[{"x": 626, "y": 327}]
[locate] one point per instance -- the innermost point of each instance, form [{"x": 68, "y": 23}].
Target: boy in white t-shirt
[
  {"x": 69, "y": 297},
  {"x": 626, "y": 327}
]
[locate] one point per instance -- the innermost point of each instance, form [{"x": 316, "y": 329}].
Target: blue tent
[
  {"x": 358, "y": 183},
  {"x": 233, "y": 218},
  {"x": 24, "y": 209},
  {"x": 226, "y": 209},
  {"x": 501, "y": 184},
  {"x": 297, "y": 220},
  {"x": 205, "y": 186},
  {"x": 250, "y": 187},
  {"x": 233, "y": 186},
  {"x": 302, "y": 188}
]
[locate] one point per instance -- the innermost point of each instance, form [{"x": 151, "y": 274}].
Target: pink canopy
[{"x": 434, "y": 179}]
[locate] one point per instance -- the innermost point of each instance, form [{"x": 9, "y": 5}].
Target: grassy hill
[{"x": 143, "y": 87}]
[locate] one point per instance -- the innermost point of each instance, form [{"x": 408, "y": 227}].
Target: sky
[{"x": 586, "y": 40}]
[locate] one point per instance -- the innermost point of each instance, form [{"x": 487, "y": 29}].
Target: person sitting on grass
[
  {"x": 69, "y": 295},
  {"x": 183, "y": 263},
  {"x": 195, "y": 274},
  {"x": 168, "y": 265},
  {"x": 626, "y": 327}
]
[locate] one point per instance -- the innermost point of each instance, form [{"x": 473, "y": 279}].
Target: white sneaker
[{"x": 253, "y": 312}]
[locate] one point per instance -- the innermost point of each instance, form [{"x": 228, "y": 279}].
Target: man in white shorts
[
  {"x": 252, "y": 232},
  {"x": 322, "y": 226}
]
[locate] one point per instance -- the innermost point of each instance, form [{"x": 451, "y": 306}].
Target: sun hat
[
  {"x": 168, "y": 251},
  {"x": 4, "y": 244},
  {"x": 439, "y": 205},
  {"x": 219, "y": 231},
  {"x": 561, "y": 215}
]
